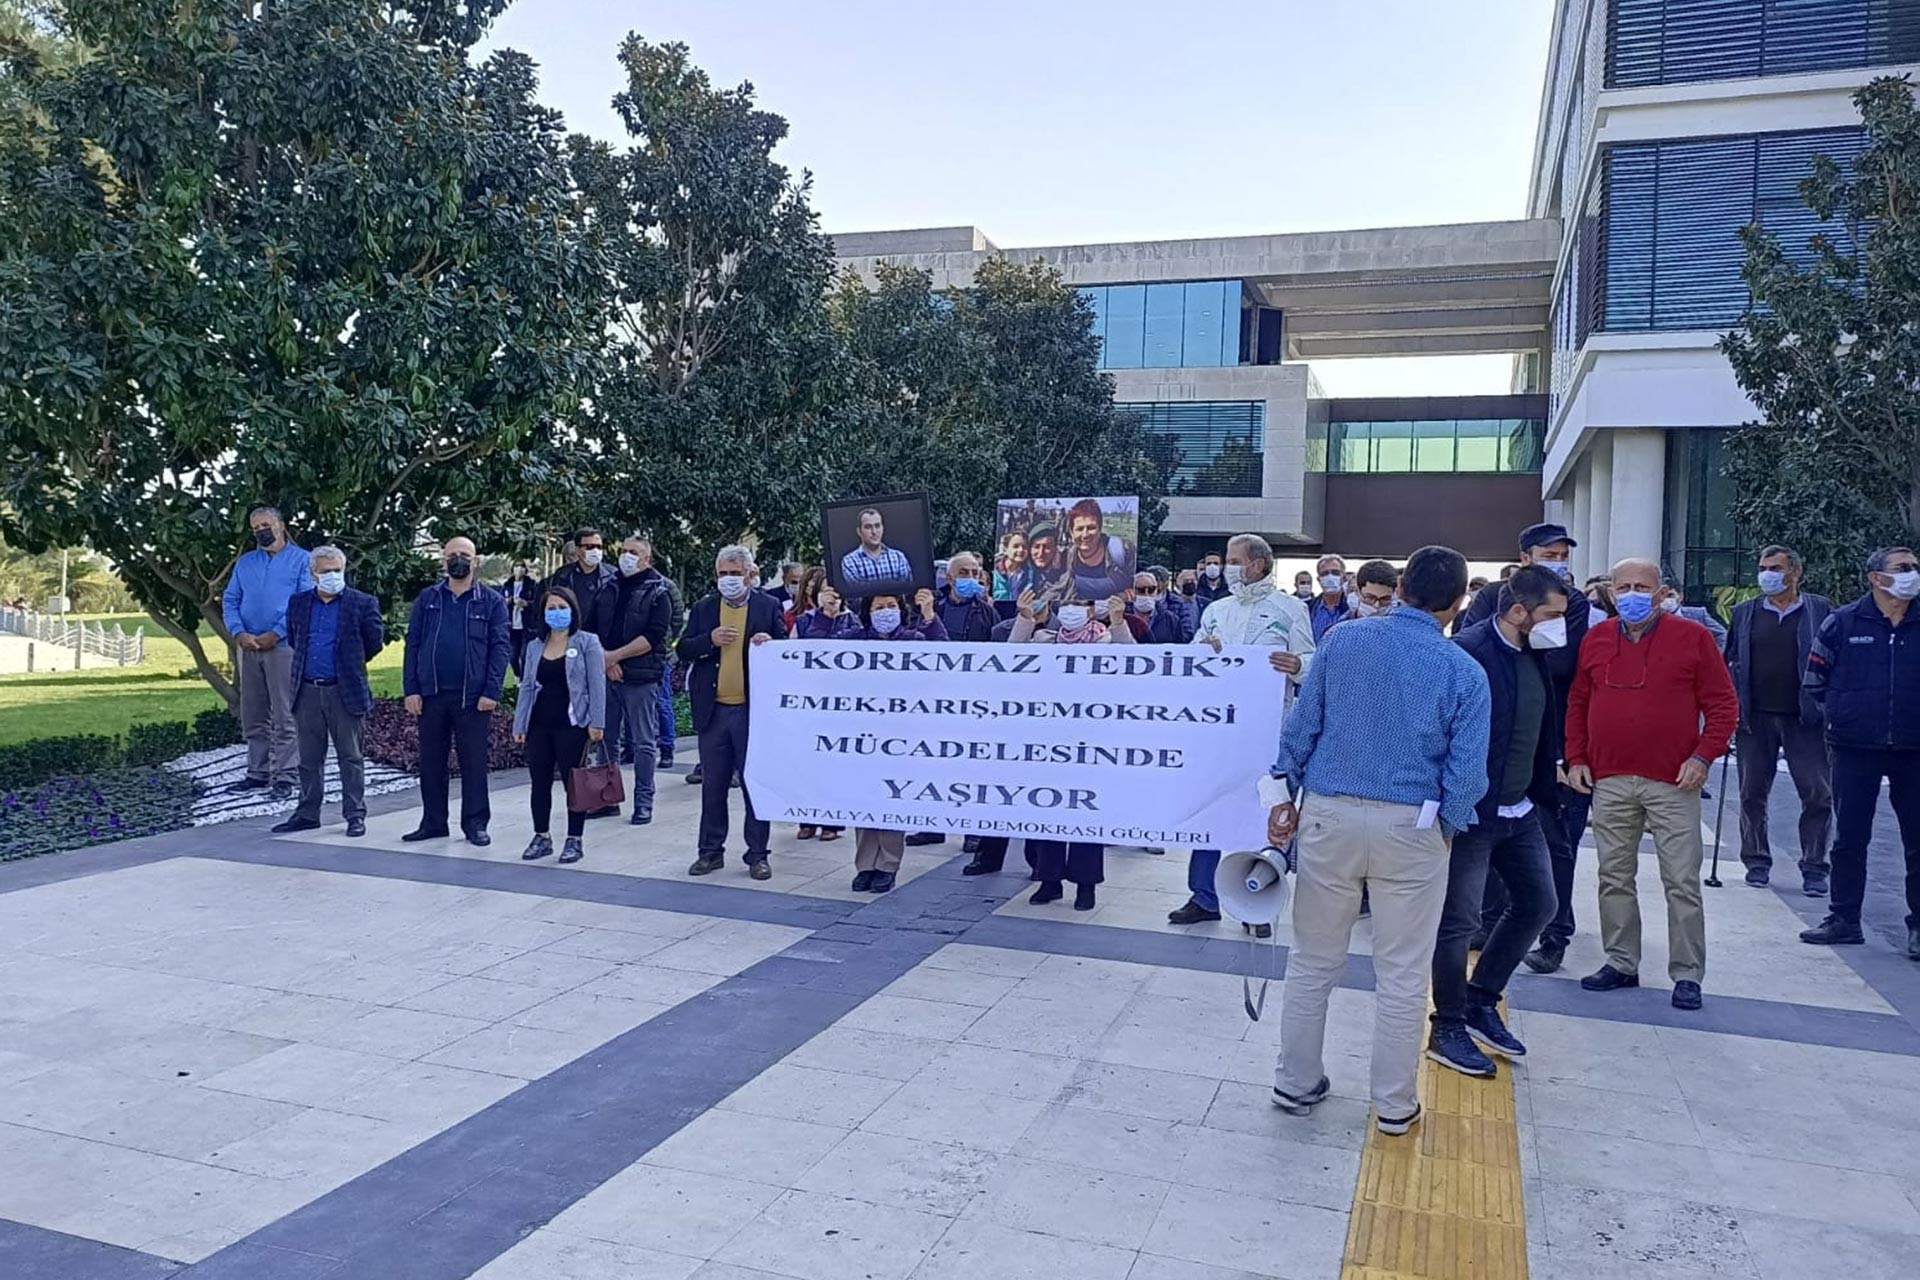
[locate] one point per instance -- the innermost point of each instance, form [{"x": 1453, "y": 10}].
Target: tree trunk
[{"x": 190, "y": 637}]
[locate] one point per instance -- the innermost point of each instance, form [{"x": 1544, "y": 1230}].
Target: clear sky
[{"x": 1071, "y": 121}]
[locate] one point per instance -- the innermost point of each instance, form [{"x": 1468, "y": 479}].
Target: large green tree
[
  {"x": 1830, "y": 352},
  {"x": 984, "y": 393},
  {"x": 720, "y": 375},
  {"x": 298, "y": 252}
]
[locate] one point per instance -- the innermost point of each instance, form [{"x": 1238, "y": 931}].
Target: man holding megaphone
[{"x": 1389, "y": 781}]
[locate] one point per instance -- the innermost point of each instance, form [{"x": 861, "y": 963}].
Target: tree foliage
[
  {"x": 298, "y": 252},
  {"x": 986, "y": 393},
  {"x": 1830, "y": 353},
  {"x": 719, "y": 377}
]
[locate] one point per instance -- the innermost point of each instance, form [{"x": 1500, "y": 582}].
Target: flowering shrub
[
  {"x": 71, "y": 812},
  {"x": 393, "y": 739}
]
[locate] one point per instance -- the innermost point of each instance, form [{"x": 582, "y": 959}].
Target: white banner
[{"x": 1115, "y": 744}]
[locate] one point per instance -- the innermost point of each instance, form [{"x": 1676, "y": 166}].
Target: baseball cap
[{"x": 1541, "y": 535}]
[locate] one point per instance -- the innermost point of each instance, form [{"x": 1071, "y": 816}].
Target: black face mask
[
  {"x": 1188, "y": 588},
  {"x": 264, "y": 537},
  {"x": 458, "y": 567}
]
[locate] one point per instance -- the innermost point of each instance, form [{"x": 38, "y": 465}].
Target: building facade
[{"x": 1665, "y": 127}]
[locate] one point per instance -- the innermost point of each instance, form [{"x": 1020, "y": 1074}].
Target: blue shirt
[
  {"x": 1391, "y": 710},
  {"x": 1323, "y": 617},
  {"x": 450, "y": 654},
  {"x": 320, "y": 636},
  {"x": 891, "y": 565},
  {"x": 256, "y": 597}
]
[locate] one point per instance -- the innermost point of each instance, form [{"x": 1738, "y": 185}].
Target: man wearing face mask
[
  {"x": 1159, "y": 625},
  {"x": 635, "y": 647},
  {"x": 1865, "y": 671},
  {"x": 1257, "y": 613},
  {"x": 596, "y": 586},
  {"x": 719, "y": 629},
  {"x": 1303, "y": 588},
  {"x": 965, "y": 608},
  {"x": 1652, "y": 707},
  {"x": 1211, "y": 584},
  {"x": 255, "y": 607},
  {"x": 332, "y": 630},
  {"x": 456, "y": 663},
  {"x": 1676, "y": 602},
  {"x": 1507, "y": 839},
  {"x": 1373, "y": 586},
  {"x": 1767, "y": 650},
  {"x": 1330, "y": 606},
  {"x": 521, "y": 591}
]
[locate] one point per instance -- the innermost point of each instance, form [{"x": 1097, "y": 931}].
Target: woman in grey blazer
[{"x": 562, "y": 707}]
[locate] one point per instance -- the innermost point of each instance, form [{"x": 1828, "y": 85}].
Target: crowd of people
[{"x": 1446, "y": 745}]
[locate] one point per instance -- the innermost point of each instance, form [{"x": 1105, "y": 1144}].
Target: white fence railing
[{"x": 110, "y": 644}]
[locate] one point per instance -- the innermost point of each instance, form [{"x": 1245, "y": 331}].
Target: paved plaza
[{"x": 229, "y": 1055}]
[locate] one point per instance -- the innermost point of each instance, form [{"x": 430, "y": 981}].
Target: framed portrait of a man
[{"x": 877, "y": 545}]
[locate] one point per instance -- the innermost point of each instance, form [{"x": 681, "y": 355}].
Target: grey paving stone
[
  {"x": 1158, "y": 1095},
  {"x": 984, "y": 1250},
  {"x": 424, "y": 1095},
  {"x": 308, "y": 1074},
  {"x": 1296, "y": 1171},
  {"x": 673, "y": 1210},
  {"x": 817, "y": 1237},
  {"x": 817, "y": 1096},
  {"x": 1092, "y": 1205},
  {"x": 402, "y": 1033},
  {"x": 736, "y": 1144},
  {"x": 877, "y": 1053},
  {"x": 955, "y": 986},
  {"x": 1796, "y": 1248},
  {"x": 908, "y": 1016},
  {"x": 581, "y": 1013},
  {"x": 1034, "y": 1076},
  {"x": 34, "y": 1253},
  {"x": 619, "y": 946},
  {"x": 69, "y": 1098},
  {"x": 550, "y": 1255},
  {"x": 549, "y": 969},
  {"x": 1152, "y": 1267},
  {"x": 316, "y": 1146},
  {"x": 1624, "y": 1115},
  {"x": 907, "y": 1173},
  {"x": 1608, "y": 1163},
  {"x": 507, "y": 1050},
  {"x": 995, "y": 960},
  {"x": 484, "y": 999},
  {"x": 1844, "y": 1197},
  {"x": 1242, "y": 1231},
  {"x": 1108, "y": 1140},
  {"x": 935, "y": 1114},
  {"x": 1337, "y": 1122},
  {"x": 1625, "y": 1228},
  {"x": 187, "y": 1121}
]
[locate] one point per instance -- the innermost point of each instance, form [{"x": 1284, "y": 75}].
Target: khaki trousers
[
  {"x": 1625, "y": 808},
  {"x": 878, "y": 850},
  {"x": 1346, "y": 845}
]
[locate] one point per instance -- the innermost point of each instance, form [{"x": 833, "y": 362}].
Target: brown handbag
[{"x": 595, "y": 786}]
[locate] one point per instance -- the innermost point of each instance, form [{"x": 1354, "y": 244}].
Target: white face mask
[
  {"x": 1100, "y": 609},
  {"x": 1145, "y": 605},
  {"x": 1213, "y": 572},
  {"x": 332, "y": 582},
  {"x": 1670, "y": 605},
  {"x": 592, "y": 557},
  {"x": 1361, "y": 609},
  {"x": 1331, "y": 582},
  {"x": 1551, "y": 634},
  {"x": 1074, "y": 616},
  {"x": 1904, "y": 586},
  {"x": 1236, "y": 574},
  {"x": 733, "y": 586},
  {"x": 629, "y": 563},
  {"x": 885, "y": 621}
]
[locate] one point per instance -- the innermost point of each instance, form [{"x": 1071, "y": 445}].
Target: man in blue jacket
[
  {"x": 1767, "y": 650},
  {"x": 1865, "y": 671},
  {"x": 1508, "y": 837},
  {"x": 332, "y": 630},
  {"x": 456, "y": 662},
  {"x": 719, "y": 629},
  {"x": 255, "y": 609}
]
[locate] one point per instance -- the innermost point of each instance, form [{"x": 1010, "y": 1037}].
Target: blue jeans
[
  {"x": 1563, "y": 845},
  {"x": 1515, "y": 849},
  {"x": 1201, "y": 865},
  {"x": 666, "y": 709}
]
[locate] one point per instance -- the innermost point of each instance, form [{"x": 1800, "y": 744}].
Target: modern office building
[{"x": 1665, "y": 127}]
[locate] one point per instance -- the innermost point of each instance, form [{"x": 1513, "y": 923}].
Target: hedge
[
  {"x": 113, "y": 804},
  {"x": 26, "y": 764}
]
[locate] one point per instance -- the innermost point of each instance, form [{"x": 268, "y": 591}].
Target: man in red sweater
[{"x": 1652, "y": 706}]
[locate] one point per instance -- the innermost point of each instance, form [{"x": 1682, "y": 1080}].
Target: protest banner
[{"x": 1127, "y": 745}]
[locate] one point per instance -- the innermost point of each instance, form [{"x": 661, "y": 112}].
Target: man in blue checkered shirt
[{"x": 873, "y": 563}]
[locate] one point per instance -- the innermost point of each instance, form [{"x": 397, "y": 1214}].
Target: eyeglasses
[{"x": 1620, "y": 645}]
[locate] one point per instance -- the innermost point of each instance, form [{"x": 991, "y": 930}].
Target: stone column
[{"x": 1639, "y": 481}]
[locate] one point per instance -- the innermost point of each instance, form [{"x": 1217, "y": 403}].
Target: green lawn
[{"x": 108, "y": 700}]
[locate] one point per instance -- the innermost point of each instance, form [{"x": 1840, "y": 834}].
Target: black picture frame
[{"x": 908, "y": 522}]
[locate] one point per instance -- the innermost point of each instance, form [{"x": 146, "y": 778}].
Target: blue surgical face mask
[
  {"x": 332, "y": 582},
  {"x": 1772, "y": 582},
  {"x": 968, "y": 588},
  {"x": 1634, "y": 606},
  {"x": 560, "y": 619},
  {"x": 885, "y": 621}
]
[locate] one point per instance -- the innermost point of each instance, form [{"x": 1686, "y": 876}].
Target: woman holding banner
[
  {"x": 818, "y": 614},
  {"x": 877, "y": 854},
  {"x": 1057, "y": 860}
]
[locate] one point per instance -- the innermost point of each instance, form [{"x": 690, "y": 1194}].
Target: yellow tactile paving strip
[{"x": 1444, "y": 1201}]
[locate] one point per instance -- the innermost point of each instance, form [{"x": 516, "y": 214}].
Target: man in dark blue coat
[
  {"x": 1767, "y": 649},
  {"x": 456, "y": 663},
  {"x": 331, "y": 630},
  {"x": 1508, "y": 835},
  {"x": 714, "y": 647},
  {"x": 1865, "y": 671}
]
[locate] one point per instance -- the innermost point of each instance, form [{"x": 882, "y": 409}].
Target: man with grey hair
[
  {"x": 332, "y": 630},
  {"x": 719, "y": 629},
  {"x": 1767, "y": 649},
  {"x": 255, "y": 612}
]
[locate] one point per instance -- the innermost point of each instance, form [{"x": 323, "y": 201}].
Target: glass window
[
  {"x": 1684, "y": 41},
  {"x": 1433, "y": 446},
  {"x": 1221, "y": 444},
  {"x": 1097, "y": 300},
  {"x": 1204, "y": 323},
  {"x": 1480, "y": 442},
  {"x": 1126, "y": 326},
  {"x": 1351, "y": 446},
  {"x": 1166, "y": 320},
  {"x": 1392, "y": 446}
]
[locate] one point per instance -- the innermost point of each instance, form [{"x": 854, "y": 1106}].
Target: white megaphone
[{"x": 1252, "y": 887}]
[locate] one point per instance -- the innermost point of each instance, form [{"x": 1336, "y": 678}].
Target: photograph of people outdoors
[{"x": 1040, "y": 541}]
